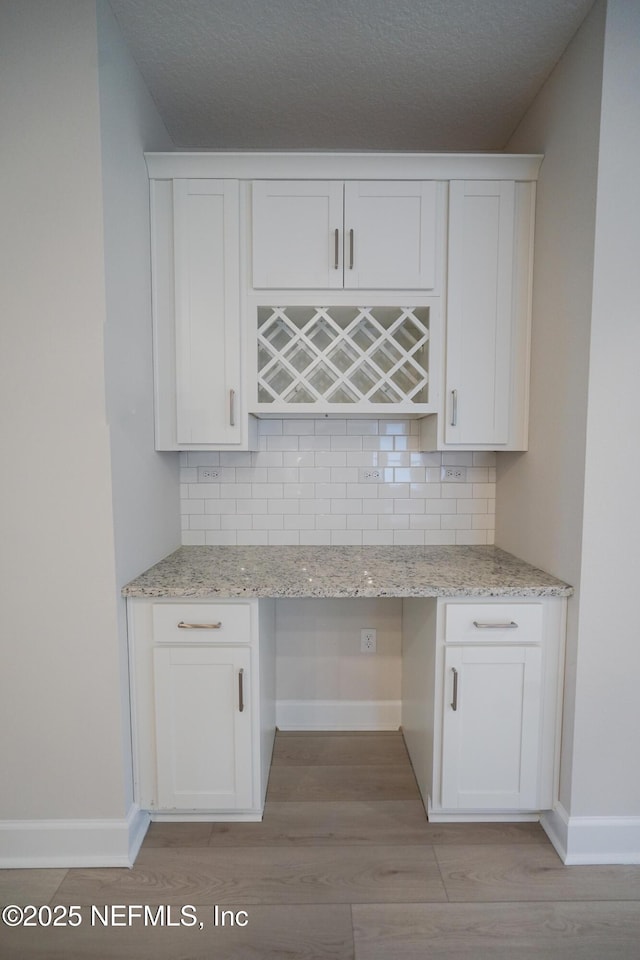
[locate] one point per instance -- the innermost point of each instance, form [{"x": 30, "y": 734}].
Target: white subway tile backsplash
[
  {"x": 315, "y": 538},
  {"x": 282, "y": 443},
  {"x": 282, "y": 474},
  {"x": 330, "y": 428},
  {"x": 231, "y": 491},
  {"x": 284, "y": 506},
  {"x": 253, "y": 538},
  {"x": 351, "y": 443},
  {"x": 315, "y": 506},
  {"x": 270, "y": 521},
  {"x": 470, "y": 537},
  {"x": 193, "y": 538},
  {"x": 409, "y": 506},
  {"x": 458, "y": 521},
  {"x": 364, "y": 521},
  {"x": 299, "y": 458},
  {"x": 346, "y": 506},
  {"x": 377, "y": 537},
  {"x": 265, "y": 458},
  {"x": 393, "y": 521},
  {"x": 314, "y": 443},
  {"x": 408, "y": 538},
  {"x": 302, "y": 486},
  {"x": 297, "y": 521},
  {"x": 299, "y": 490},
  {"x": 298, "y": 428},
  {"x": 346, "y": 538},
  {"x": 219, "y": 506},
  {"x": 362, "y": 428},
  {"x": 235, "y": 521},
  {"x": 284, "y": 537}
]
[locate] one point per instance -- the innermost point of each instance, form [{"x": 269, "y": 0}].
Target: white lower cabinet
[
  {"x": 199, "y": 691},
  {"x": 491, "y": 727},
  {"x": 203, "y": 707},
  {"x": 481, "y": 705}
]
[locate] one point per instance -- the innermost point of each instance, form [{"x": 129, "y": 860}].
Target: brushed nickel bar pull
[
  {"x": 454, "y": 702},
  {"x": 350, "y": 249},
  {"x": 232, "y": 408},
  {"x": 241, "y": 690},
  {"x": 511, "y": 625},
  {"x": 199, "y": 626},
  {"x": 454, "y": 408},
  {"x": 336, "y": 249}
]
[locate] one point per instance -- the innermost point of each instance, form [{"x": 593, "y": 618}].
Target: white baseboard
[
  {"x": 592, "y": 840},
  {"x": 73, "y": 843},
  {"x": 338, "y": 714}
]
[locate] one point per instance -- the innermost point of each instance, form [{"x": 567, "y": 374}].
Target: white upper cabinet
[
  {"x": 486, "y": 368},
  {"x": 348, "y": 284},
  {"x": 297, "y": 234},
  {"x": 196, "y": 264},
  {"x": 376, "y": 235}
]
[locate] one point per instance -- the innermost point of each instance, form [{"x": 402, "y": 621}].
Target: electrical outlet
[
  {"x": 368, "y": 640},
  {"x": 370, "y": 474},
  {"x": 453, "y": 474},
  {"x": 208, "y": 474}
]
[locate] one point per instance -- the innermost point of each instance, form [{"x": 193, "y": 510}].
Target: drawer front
[
  {"x": 493, "y": 623},
  {"x": 201, "y": 623}
]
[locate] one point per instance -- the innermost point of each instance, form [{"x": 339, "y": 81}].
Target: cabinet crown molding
[{"x": 344, "y": 166}]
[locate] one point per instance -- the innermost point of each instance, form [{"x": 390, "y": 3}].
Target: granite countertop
[{"x": 374, "y": 571}]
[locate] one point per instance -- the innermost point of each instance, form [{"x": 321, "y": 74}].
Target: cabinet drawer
[
  {"x": 202, "y": 623},
  {"x": 493, "y": 622}
]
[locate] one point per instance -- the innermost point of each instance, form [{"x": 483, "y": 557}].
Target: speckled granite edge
[{"x": 280, "y": 571}]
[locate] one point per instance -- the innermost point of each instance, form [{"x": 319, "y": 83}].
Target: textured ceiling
[{"x": 346, "y": 74}]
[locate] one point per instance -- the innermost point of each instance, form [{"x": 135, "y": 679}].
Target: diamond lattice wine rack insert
[{"x": 343, "y": 355}]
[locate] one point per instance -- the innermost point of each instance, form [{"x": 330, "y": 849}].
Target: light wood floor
[{"x": 344, "y": 866}]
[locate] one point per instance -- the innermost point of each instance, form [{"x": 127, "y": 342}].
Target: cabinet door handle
[
  {"x": 350, "y": 249},
  {"x": 454, "y": 702},
  {"x": 336, "y": 249},
  {"x": 510, "y": 625},
  {"x": 454, "y": 408},
  {"x": 241, "y": 690},
  {"x": 199, "y": 626},
  {"x": 232, "y": 408}
]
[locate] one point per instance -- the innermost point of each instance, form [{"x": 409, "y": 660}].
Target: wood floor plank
[
  {"x": 340, "y": 822},
  {"x": 251, "y": 875},
  {"x": 171, "y": 834},
  {"x": 353, "y": 750},
  {"x": 300, "y": 783},
  {"x": 329, "y": 822},
  {"x": 504, "y": 931},
  {"x": 503, "y": 872},
  {"x": 272, "y": 933},
  {"x": 29, "y": 886}
]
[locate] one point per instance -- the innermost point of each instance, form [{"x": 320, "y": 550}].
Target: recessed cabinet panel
[
  {"x": 297, "y": 234},
  {"x": 206, "y": 250},
  {"x": 491, "y": 727},
  {"x": 390, "y": 235},
  {"x": 479, "y": 316},
  {"x": 203, "y": 727}
]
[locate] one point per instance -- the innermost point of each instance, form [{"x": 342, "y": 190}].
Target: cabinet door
[
  {"x": 297, "y": 234},
  {"x": 207, "y": 290},
  {"x": 390, "y": 235},
  {"x": 479, "y": 313},
  {"x": 491, "y": 728},
  {"x": 203, "y": 728}
]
